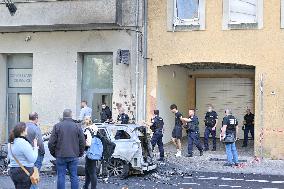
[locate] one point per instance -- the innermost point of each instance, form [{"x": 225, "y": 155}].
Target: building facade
[
  {"x": 53, "y": 54},
  {"x": 228, "y": 53}
]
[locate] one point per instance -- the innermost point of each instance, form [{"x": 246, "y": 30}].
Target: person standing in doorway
[
  {"x": 34, "y": 132},
  {"x": 85, "y": 110},
  {"x": 193, "y": 132},
  {"x": 229, "y": 133},
  {"x": 106, "y": 115},
  {"x": 156, "y": 125},
  {"x": 66, "y": 144},
  {"x": 211, "y": 121},
  {"x": 248, "y": 126},
  {"x": 177, "y": 131},
  {"x": 21, "y": 151}
]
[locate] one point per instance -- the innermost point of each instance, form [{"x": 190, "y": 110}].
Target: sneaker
[
  {"x": 178, "y": 154},
  {"x": 201, "y": 153},
  {"x": 189, "y": 155},
  {"x": 206, "y": 149},
  {"x": 228, "y": 165}
]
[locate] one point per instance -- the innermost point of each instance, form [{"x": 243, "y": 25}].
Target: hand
[
  {"x": 213, "y": 128},
  {"x": 35, "y": 143}
]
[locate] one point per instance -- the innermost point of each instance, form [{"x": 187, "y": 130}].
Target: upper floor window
[
  {"x": 242, "y": 14},
  {"x": 186, "y": 15}
]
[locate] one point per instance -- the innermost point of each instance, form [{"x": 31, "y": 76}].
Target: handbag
[
  {"x": 229, "y": 138},
  {"x": 34, "y": 177}
]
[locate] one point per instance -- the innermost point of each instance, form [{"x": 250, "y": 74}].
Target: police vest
[
  {"x": 158, "y": 124},
  {"x": 232, "y": 123}
]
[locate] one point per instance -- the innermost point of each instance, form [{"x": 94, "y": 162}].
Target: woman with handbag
[
  {"x": 22, "y": 156},
  {"x": 229, "y": 132}
]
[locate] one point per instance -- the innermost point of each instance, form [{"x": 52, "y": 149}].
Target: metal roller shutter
[{"x": 222, "y": 93}]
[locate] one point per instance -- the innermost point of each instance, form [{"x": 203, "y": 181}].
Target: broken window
[
  {"x": 121, "y": 134},
  {"x": 243, "y": 11},
  {"x": 186, "y": 12}
]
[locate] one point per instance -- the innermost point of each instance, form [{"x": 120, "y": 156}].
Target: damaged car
[{"x": 132, "y": 153}]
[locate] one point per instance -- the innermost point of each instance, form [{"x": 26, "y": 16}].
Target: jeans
[
  {"x": 232, "y": 154},
  {"x": 193, "y": 137},
  {"x": 20, "y": 179},
  {"x": 208, "y": 131},
  {"x": 158, "y": 139},
  {"x": 70, "y": 164},
  {"x": 246, "y": 132},
  {"x": 90, "y": 174},
  {"x": 38, "y": 164}
]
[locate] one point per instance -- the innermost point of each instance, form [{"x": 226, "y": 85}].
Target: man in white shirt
[{"x": 85, "y": 110}]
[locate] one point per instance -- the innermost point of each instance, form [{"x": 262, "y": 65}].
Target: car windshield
[{"x": 120, "y": 133}]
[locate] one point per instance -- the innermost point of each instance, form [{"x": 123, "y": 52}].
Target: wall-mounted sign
[
  {"x": 20, "y": 78},
  {"x": 123, "y": 56}
]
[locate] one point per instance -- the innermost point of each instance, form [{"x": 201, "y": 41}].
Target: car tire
[{"x": 118, "y": 168}]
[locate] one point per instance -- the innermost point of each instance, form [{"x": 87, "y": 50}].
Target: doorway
[{"x": 97, "y": 81}]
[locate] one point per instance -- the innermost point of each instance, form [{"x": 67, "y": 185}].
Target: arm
[
  {"x": 223, "y": 131},
  {"x": 185, "y": 119},
  {"x": 82, "y": 142},
  {"x": 214, "y": 128},
  {"x": 81, "y": 114},
  {"x": 52, "y": 142},
  {"x": 40, "y": 140},
  {"x": 30, "y": 152}
]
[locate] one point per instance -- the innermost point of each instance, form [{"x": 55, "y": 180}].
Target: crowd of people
[{"x": 69, "y": 141}]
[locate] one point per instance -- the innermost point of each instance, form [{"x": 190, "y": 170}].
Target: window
[
  {"x": 243, "y": 11},
  {"x": 242, "y": 14},
  {"x": 186, "y": 15}
]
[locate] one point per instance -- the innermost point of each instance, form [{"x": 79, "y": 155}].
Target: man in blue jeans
[
  {"x": 66, "y": 144},
  {"x": 230, "y": 128},
  {"x": 34, "y": 132}
]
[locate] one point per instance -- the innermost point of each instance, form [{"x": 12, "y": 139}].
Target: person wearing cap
[{"x": 34, "y": 133}]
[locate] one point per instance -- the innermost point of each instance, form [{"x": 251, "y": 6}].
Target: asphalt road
[{"x": 206, "y": 180}]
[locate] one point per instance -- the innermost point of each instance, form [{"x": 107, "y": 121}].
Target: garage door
[{"x": 222, "y": 93}]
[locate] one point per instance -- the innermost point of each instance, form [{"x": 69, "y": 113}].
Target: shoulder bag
[{"x": 34, "y": 177}]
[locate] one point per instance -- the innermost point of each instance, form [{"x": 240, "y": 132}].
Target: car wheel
[{"x": 118, "y": 168}]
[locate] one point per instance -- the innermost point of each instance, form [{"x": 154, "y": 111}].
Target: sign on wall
[{"x": 20, "y": 78}]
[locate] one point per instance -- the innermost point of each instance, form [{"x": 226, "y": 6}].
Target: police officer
[
  {"x": 248, "y": 126},
  {"x": 122, "y": 117},
  {"x": 193, "y": 133},
  {"x": 211, "y": 121},
  {"x": 157, "y": 124}
]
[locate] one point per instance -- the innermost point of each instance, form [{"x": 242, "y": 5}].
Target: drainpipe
[
  {"x": 137, "y": 61},
  {"x": 145, "y": 49}
]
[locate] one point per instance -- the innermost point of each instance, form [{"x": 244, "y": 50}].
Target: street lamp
[{"x": 11, "y": 7}]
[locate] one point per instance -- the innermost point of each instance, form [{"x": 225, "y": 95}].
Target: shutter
[
  {"x": 243, "y": 11},
  {"x": 222, "y": 93}
]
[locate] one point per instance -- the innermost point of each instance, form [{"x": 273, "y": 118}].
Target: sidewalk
[{"x": 213, "y": 161}]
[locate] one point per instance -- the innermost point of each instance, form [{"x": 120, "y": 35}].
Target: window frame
[
  {"x": 228, "y": 25},
  {"x": 185, "y": 22}
]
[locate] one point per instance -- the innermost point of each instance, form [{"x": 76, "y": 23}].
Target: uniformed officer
[
  {"x": 157, "y": 124},
  {"x": 211, "y": 121},
  {"x": 122, "y": 117},
  {"x": 248, "y": 126},
  {"x": 193, "y": 133}
]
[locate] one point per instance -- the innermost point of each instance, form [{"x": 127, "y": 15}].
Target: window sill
[
  {"x": 195, "y": 27},
  {"x": 243, "y": 26}
]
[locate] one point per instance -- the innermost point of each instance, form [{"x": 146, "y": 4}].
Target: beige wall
[
  {"x": 3, "y": 76},
  {"x": 172, "y": 89},
  {"x": 261, "y": 48}
]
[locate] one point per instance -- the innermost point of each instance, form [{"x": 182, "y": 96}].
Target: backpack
[{"x": 95, "y": 151}]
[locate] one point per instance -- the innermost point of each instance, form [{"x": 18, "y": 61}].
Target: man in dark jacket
[
  {"x": 105, "y": 114},
  {"x": 66, "y": 144}
]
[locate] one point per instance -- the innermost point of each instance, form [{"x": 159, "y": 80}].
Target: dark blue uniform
[
  {"x": 157, "y": 138},
  {"x": 193, "y": 135},
  {"x": 177, "y": 131},
  {"x": 123, "y": 118},
  {"x": 210, "y": 121},
  {"x": 249, "y": 127}
]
